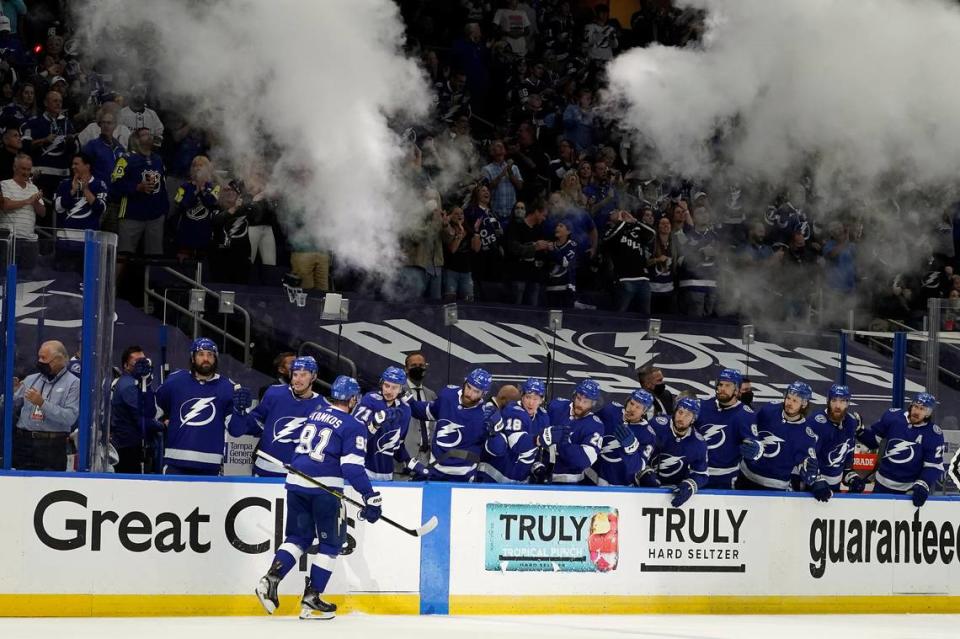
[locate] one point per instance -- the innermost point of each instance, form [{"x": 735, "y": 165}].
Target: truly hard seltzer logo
[
  {"x": 834, "y": 542},
  {"x": 693, "y": 539},
  {"x": 551, "y": 538}
]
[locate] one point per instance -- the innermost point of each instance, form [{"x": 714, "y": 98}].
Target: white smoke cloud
[{"x": 319, "y": 80}]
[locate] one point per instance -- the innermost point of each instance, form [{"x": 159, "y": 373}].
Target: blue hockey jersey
[
  {"x": 387, "y": 427},
  {"x": 131, "y": 170},
  {"x": 910, "y": 454},
  {"x": 616, "y": 466},
  {"x": 277, "y": 420},
  {"x": 199, "y": 413},
  {"x": 521, "y": 431},
  {"x": 332, "y": 447},
  {"x": 75, "y": 214},
  {"x": 835, "y": 444},
  {"x": 194, "y": 214},
  {"x": 460, "y": 437},
  {"x": 786, "y": 445},
  {"x": 724, "y": 429},
  {"x": 581, "y": 451},
  {"x": 676, "y": 458}
]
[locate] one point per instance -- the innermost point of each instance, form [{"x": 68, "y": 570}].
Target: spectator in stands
[
  {"x": 137, "y": 115},
  {"x": 600, "y": 36},
  {"x": 139, "y": 179},
  {"x": 514, "y": 25},
  {"x": 52, "y": 143},
  {"x": 422, "y": 273},
  {"x": 20, "y": 206},
  {"x": 651, "y": 380},
  {"x": 488, "y": 260},
  {"x": 840, "y": 267},
  {"x": 48, "y": 402},
  {"x": 578, "y": 122},
  {"x": 107, "y": 117},
  {"x": 663, "y": 269},
  {"x": 12, "y": 145},
  {"x": 795, "y": 277},
  {"x": 458, "y": 253},
  {"x": 698, "y": 272},
  {"x": 479, "y": 205},
  {"x": 602, "y": 193},
  {"x": 565, "y": 162},
  {"x": 561, "y": 287},
  {"x": 12, "y": 10},
  {"x": 24, "y": 107},
  {"x": 231, "y": 241},
  {"x": 628, "y": 243},
  {"x": 261, "y": 219},
  {"x": 504, "y": 180},
  {"x": 80, "y": 202},
  {"x": 108, "y": 145},
  {"x": 133, "y": 421},
  {"x": 526, "y": 247},
  {"x": 532, "y": 161},
  {"x": 420, "y": 433},
  {"x": 195, "y": 204},
  {"x": 472, "y": 56}
]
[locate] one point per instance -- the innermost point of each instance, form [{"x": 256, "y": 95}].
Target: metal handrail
[
  {"x": 150, "y": 293},
  {"x": 331, "y": 354},
  {"x": 910, "y": 329}
]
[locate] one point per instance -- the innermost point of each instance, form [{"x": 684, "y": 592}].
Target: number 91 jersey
[{"x": 330, "y": 440}]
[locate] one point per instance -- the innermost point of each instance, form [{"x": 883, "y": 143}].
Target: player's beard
[
  {"x": 836, "y": 416},
  {"x": 725, "y": 399},
  {"x": 203, "y": 369}
]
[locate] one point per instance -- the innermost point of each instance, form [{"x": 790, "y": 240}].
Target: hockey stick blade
[{"x": 428, "y": 526}]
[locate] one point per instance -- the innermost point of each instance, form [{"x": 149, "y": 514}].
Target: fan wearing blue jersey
[
  {"x": 199, "y": 404},
  {"x": 912, "y": 458},
  {"x": 331, "y": 449},
  {"x": 523, "y": 420},
  {"x": 572, "y": 442},
  {"x": 279, "y": 417},
  {"x": 466, "y": 428},
  {"x": 628, "y": 441},
  {"x": 680, "y": 453},
  {"x": 836, "y": 427},
  {"x": 789, "y": 445},
  {"x": 730, "y": 430},
  {"x": 387, "y": 420}
]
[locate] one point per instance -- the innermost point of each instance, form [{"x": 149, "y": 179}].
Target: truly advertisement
[
  {"x": 551, "y": 538},
  {"x": 705, "y": 540}
]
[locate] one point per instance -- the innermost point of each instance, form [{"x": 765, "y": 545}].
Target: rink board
[{"x": 78, "y": 545}]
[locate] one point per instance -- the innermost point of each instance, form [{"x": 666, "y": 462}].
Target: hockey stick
[{"x": 427, "y": 527}]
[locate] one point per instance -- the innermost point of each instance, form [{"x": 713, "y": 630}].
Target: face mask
[
  {"x": 659, "y": 388},
  {"x": 44, "y": 369},
  {"x": 746, "y": 397},
  {"x": 416, "y": 373}
]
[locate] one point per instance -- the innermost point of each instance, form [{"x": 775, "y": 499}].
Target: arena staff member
[{"x": 49, "y": 404}]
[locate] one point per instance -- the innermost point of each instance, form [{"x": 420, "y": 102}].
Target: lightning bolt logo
[
  {"x": 900, "y": 451},
  {"x": 284, "y": 427},
  {"x": 388, "y": 441},
  {"x": 445, "y": 431},
  {"x": 194, "y": 408},
  {"x": 715, "y": 434},
  {"x": 837, "y": 455},
  {"x": 527, "y": 457},
  {"x": 607, "y": 451},
  {"x": 771, "y": 444},
  {"x": 669, "y": 465}
]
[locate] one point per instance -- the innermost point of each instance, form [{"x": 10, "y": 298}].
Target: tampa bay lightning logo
[
  {"x": 610, "y": 450},
  {"x": 387, "y": 442},
  {"x": 527, "y": 457},
  {"x": 714, "y": 434},
  {"x": 198, "y": 411},
  {"x": 771, "y": 443},
  {"x": 669, "y": 465},
  {"x": 900, "y": 451},
  {"x": 286, "y": 430},
  {"x": 448, "y": 434},
  {"x": 839, "y": 453}
]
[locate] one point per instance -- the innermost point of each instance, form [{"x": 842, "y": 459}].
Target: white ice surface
[{"x": 524, "y": 627}]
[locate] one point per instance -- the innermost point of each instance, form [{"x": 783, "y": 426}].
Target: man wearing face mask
[
  {"x": 281, "y": 364},
  {"x": 420, "y": 432},
  {"x": 49, "y": 404},
  {"x": 746, "y": 391},
  {"x": 651, "y": 380}
]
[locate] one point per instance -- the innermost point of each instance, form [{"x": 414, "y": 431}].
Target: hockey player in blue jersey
[
  {"x": 387, "y": 420},
  {"x": 199, "y": 403},
  {"x": 574, "y": 437},
  {"x": 836, "y": 427},
  {"x": 466, "y": 428},
  {"x": 331, "y": 449},
  {"x": 729, "y": 428},
  {"x": 523, "y": 420},
  {"x": 679, "y": 455},
  {"x": 279, "y": 417},
  {"x": 912, "y": 458},
  {"x": 789, "y": 445},
  {"x": 628, "y": 441}
]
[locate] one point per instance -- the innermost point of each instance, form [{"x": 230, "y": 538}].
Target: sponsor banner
[
  {"x": 552, "y": 538},
  {"x": 168, "y": 537},
  {"x": 718, "y": 544}
]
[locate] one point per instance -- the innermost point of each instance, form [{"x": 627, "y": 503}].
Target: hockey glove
[
  {"x": 821, "y": 490},
  {"x": 920, "y": 493},
  {"x": 855, "y": 483},
  {"x": 553, "y": 435},
  {"x": 491, "y": 419},
  {"x": 751, "y": 449},
  {"x": 809, "y": 470},
  {"x": 647, "y": 478},
  {"x": 371, "y": 510},
  {"x": 418, "y": 471},
  {"x": 143, "y": 369},
  {"x": 626, "y": 438},
  {"x": 241, "y": 399},
  {"x": 682, "y": 492},
  {"x": 539, "y": 474}
]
